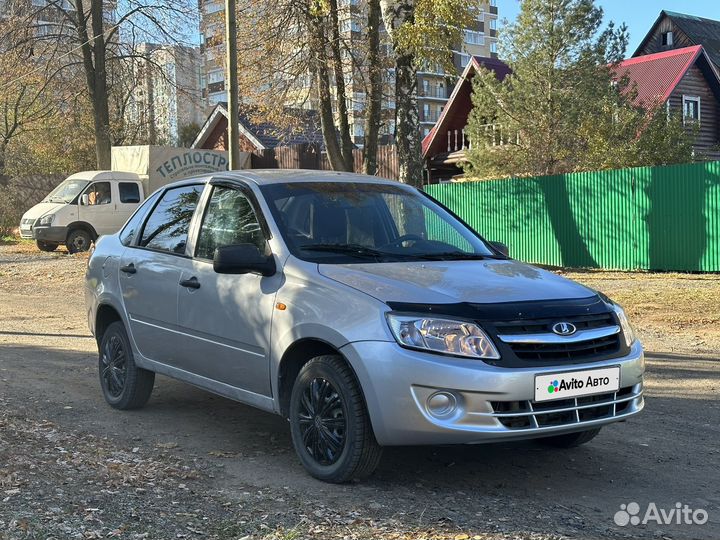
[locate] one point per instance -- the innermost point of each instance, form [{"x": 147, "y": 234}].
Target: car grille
[
  {"x": 601, "y": 331},
  {"x": 567, "y": 351},
  {"x": 566, "y": 412},
  {"x": 582, "y": 322}
]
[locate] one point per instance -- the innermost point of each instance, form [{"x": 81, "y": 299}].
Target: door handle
[
  {"x": 191, "y": 283},
  {"x": 129, "y": 269}
]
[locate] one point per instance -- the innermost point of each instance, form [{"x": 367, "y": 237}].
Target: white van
[
  {"x": 86, "y": 205},
  {"x": 94, "y": 203}
]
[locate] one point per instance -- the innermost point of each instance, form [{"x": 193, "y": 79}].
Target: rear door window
[
  {"x": 129, "y": 192},
  {"x": 131, "y": 228},
  {"x": 167, "y": 227}
]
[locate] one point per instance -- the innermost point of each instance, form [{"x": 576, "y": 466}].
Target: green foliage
[
  {"x": 435, "y": 29},
  {"x": 187, "y": 134},
  {"x": 560, "y": 110}
]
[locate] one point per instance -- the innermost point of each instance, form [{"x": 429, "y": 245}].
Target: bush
[{"x": 20, "y": 194}]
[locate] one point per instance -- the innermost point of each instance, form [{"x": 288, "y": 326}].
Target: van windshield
[
  {"x": 66, "y": 191},
  {"x": 349, "y": 222}
]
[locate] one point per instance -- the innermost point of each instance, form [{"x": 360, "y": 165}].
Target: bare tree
[
  {"x": 373, "y": 113},
  {"x": 98, "y": 37},
  {"x": 420, "y": 31},
  {"x": 24, "y": 83}
]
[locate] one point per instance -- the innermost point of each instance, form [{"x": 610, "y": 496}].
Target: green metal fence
[{"x": 649, "y": 218}]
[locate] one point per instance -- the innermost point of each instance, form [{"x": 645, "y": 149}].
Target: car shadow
[{"x": 634, "y": 460}]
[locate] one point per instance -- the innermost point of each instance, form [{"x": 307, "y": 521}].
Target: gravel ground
[{"x": 193, "y": 465}]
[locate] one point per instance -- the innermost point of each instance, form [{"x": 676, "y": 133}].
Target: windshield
[
  {"x": 66, "y": 191},
  {"x": 344, "y": 222}
]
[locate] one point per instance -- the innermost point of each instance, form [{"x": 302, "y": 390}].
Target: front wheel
[
  {"x": 329, "y": 422},
  {"x": 78, "y": 240},
  {"x": 124, "y": 385},
  {"x": 571, "y": 440},
  {"x": 46, "y": 246}
]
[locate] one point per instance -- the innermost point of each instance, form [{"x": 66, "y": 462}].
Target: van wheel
[
  {"x": 571, "y": 440},
  {"x": 78, "y": 240},
  {"x": 330, "y": 426},
  {"x": 124, "y": 385},
  {"x": 46, "y": 246}
]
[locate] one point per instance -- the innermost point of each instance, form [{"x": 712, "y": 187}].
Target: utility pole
[{"x": 231, "y": 84}]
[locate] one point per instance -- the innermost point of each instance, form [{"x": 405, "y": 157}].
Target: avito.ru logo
[{"x": 629, "y": 514}]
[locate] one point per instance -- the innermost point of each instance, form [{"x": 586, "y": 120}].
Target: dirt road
[{"x": 193, "y": 465}]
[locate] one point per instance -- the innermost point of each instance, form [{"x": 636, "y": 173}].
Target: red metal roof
[
  {"x": 457, "y": 109},
  {"x": 657, "y": 75}
]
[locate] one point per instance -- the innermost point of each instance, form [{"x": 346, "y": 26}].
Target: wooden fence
[{"x": 309, "y": 156}]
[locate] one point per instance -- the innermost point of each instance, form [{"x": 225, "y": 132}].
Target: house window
[
  {"x": 216, "y": 76},
  {"x": 493, "y": 47},
  {"x": 493, "y": 24},
  {"x": 667, "y": 38},
  {"x": 691, "y": 109},
  {"x": 474, "y": 38}
]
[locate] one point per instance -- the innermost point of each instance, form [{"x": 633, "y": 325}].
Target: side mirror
[
  {"x": 243, "y": 259},
  {"x": 85, "y": 199},
  {"x": 502, "y": 248}
]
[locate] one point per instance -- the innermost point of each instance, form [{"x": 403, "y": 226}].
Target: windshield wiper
[
  {"x": 346, "y": 249},
  {"x": 453, "y": 255}
]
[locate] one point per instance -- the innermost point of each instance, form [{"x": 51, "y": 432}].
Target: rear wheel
[
  {"x": 46, "y": 246},
  {"x": 329, "y": 422},
  {"x": 124, "y": 385},
  {"x": 78, "y": 240},
  {"x": 571, "y": 440}
]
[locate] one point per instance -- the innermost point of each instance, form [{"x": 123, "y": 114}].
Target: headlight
[
  {"x": 446, "y": 336},
  {"x": 46, "y": 220},
  {"x": 627, "y": 329}
]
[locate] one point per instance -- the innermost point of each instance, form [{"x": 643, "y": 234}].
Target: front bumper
[
  {"x": 54, "y": 235},
  {"x": 26, "y": 231},
  {"x": 493, "y": 403}
]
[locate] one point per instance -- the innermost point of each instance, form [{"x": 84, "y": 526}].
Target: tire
[
  {"x": 46, "y": 246},
  {"x": 571, "y": 440},
  {"x": 124, "y": 385},
  {"x": 337, "y": 445},
  {"x": 78, "y": 240}
]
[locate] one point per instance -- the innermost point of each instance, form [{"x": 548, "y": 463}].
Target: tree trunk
[
  {"x": 322, "y": 77},
  {"x": 93, "y": 52},
  {"x": 374, "y": 100},
  {"x": 340, "y": 92},
  {"x": 101, "y": 108},
  {"x": 407, "y": 122},
  {"x": 4, "y": 179}
]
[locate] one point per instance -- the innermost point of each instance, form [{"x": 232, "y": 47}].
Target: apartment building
[
  {"x": 51, "y": 22},
  {"x": 168, "y": 94},
  {"x": 434, "y": 83},
  {"x": 212, "y": 46}
]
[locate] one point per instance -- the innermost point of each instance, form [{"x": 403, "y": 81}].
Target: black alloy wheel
[
  {"x": 322, "y": 421},
  {"x": 329, "y": 422},
  {"x": 124, "y": 385},
  {"x": 113, "y": 366}
]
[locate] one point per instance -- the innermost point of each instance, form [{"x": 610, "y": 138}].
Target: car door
[
  {"x": 150, "y": 269},
  {"x": 97, "y": 207},
  {"x": 225, "y": 319}
]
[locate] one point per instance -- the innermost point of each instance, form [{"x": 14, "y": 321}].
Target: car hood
[
  {"x": 441, "y": 282},
  {"x": 41, "y": 209}
]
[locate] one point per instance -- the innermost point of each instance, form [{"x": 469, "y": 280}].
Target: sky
[{"x": 638, "y": 15}]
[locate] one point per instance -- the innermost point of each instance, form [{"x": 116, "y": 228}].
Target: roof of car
[
  {"x": 104, "y": 175},
  {"x": 285, "y": 176}
]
